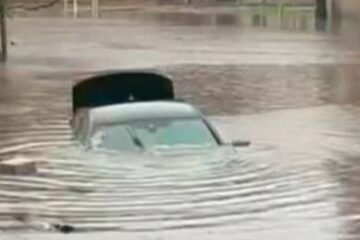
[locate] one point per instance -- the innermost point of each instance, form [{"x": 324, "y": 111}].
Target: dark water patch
[{"x": 232, "y": 89}]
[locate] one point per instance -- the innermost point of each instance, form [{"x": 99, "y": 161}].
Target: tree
[
  {"x": 3, "y": 26},
  {"x": 321, "y": 9},
  {"x": 3, "y": 30}
]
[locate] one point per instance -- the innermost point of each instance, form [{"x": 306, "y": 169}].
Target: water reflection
[
  {"x": 256, "y": 21},
  {"x": 226, "y": 19},
  {"x": 273, "y": 16}
]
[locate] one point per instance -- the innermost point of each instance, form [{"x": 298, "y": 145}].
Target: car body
[
  {"x": 144, "y": 126},
  {"x": 137, "y": 111}
]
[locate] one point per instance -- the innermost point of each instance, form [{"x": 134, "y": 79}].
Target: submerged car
[{"x": 137, "y": 111}]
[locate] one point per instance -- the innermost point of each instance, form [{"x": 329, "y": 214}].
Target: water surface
[{"x": 294, "y": 94}]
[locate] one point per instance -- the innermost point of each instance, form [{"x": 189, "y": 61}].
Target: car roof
[{"x": 141, "y": 110}]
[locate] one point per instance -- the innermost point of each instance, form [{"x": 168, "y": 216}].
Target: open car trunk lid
[{"x": 122, "y": 87}]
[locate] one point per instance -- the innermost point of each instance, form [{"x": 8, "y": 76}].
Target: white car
[{"x": 136, "y": 111}]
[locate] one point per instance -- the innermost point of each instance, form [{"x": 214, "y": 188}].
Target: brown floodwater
[{"x": 288, "y": 88}]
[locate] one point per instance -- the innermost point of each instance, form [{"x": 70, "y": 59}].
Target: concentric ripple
[
  {"x": 100, "y": 192},
  {"x": 294, "y": 173}
]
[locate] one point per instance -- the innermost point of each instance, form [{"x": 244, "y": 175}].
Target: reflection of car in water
[{"x": 136, "y": 111}]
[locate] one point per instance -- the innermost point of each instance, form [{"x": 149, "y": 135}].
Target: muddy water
[{"x": 298, "y": 180}]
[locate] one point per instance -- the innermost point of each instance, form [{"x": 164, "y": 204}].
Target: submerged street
[{"x": 289, "y": 88}]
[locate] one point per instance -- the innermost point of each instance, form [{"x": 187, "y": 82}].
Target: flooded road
[{"x": 292, "y": 92}]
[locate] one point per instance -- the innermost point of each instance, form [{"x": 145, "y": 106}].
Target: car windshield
[{"x": 152, "y": 134}]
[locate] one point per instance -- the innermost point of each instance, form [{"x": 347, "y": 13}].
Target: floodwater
[{"x": 292, "y": 91}]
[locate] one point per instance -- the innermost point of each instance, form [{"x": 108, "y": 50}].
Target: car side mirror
[{"x": 240, "y": 143}]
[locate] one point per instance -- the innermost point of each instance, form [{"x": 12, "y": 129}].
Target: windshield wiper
[{"x": 135, "y": 138}]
